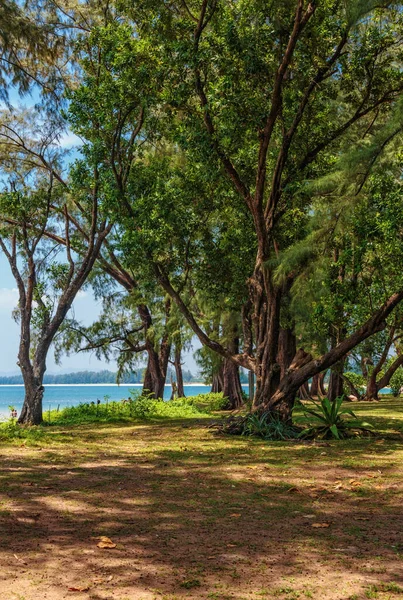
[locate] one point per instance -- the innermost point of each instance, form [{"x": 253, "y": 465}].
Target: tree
[
  {"x": 331, "y": 73},
  {"x": 47, "y": 283}
]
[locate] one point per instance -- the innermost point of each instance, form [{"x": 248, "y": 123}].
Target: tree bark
[
  {"x": 287, "y": 349},
  {"x": 178, "y": 372},
  {"x": 154, "y": 379},
  {"x": 217, "y": 384},
  {"x": 303, "y": 392},
  {"x": 371, "y": 392},
  {"x": 317, "y": 385},
  {"x": 232, "y": 388},
  {"x": 336, "y": 382},
  {"x": 31, "y": 412}
]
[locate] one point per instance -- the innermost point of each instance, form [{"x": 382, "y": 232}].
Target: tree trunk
[
  {"x": 287, "y": 349},
  {"x": 217, "y": 384},
  {"x": 31, "y": 412},
  {"x": 232, "y": 388},
  {"x": 315, "y": 385},
  {"x": 371, "y": 392},
  {"x": 267, "y": 331},
  {"x": 154, "y": 379},
  {"x": 303, "y": 392},
  {"x": 336, "y": 382},
  {"x": 178, "y": 371}
]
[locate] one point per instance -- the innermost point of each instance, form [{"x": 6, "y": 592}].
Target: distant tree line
[{"x": 83, "y": 377}]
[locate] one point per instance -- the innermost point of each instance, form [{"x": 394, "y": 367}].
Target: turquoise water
[{"x": 71, "y": 395}]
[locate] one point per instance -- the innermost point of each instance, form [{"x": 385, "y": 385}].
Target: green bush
[
  {"x": 328, "y": 420},
  {"x": 209, "y": 402},
  {"x": 137, "y": 406},
  {"x": 396, "y": 382},
  {"x": 356, "y": 379},
  {"x": 10, "y": 430}
]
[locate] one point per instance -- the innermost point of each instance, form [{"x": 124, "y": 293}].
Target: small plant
[
  {"x": 328, "y": 420},
  {"x": 269, "y": 426}
]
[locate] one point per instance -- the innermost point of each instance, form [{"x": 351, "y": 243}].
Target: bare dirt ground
[{"x": 203, "y": 517}]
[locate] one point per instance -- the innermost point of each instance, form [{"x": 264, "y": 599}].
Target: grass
[{"x": 195, "y": 515}]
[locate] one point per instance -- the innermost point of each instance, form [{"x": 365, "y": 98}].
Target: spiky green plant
[{"x": 328, "y": 419}]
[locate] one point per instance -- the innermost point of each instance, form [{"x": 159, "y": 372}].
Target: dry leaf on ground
[
  {"x": 320, "y": 525},
  {"x": 79, "y": 589},
  {"x": 105, "y": 542}
]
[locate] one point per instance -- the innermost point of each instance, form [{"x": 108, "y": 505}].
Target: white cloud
[
  {"x": 8, "y": 298},
  {"x": 69, "y": 139},
  {"x": 81, "y": 294}
]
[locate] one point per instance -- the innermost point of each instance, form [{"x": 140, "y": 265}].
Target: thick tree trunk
[
  {"x": 178, "y": 372},
  {"x": 154, "y": 379},
  {"x": 31, "y": 412},
  {"x": 267, "y": 331},
  {"x": 217, "y": 384}
]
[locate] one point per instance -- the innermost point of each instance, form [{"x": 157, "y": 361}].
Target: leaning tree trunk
[{"x": 178, "y": 372}]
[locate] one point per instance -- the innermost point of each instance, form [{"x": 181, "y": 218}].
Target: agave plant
[
  {"x": 327, "y": 419},
  {"x": 268, "y": 426}
]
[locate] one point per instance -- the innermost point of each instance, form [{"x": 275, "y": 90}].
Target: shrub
[
  {"x": 209, "y": 402},
  {"x": 269, "y": 426},
  {"x": 328, "y": 420},
  {"x": 10, "y": 430},
  {"x": 396, "y": 382}
]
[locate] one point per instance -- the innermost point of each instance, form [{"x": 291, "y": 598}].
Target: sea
[{"x": 58, "y": 395}]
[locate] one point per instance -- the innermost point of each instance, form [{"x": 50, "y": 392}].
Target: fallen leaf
[
  {"x": 105, "y": 542},
  {"x": 231, "y": 545},
  {"x": 79, "y": 589},
  {"x": 320, "y": 525},
  {"x": 236, "y": 515}
]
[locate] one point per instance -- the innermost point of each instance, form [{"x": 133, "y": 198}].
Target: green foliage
[
  {"x": 142, "y": 407},
  {"x": 326, "y": 420},
  {"x": 396, "y": 382},
  {"x": 269, "y": 426},
  {"x": 209, "y": 402},
  {"x": 357, "y": 379},
  {"x": 10, "y": 431}
]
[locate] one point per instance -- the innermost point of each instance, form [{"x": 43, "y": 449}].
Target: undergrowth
[{"x": 137, "y": 408}]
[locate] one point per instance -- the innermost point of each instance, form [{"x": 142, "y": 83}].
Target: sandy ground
[{"x": 198, "y": 516}]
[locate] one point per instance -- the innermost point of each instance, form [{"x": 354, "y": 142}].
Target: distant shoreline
[{"x": 98, "y": 385}]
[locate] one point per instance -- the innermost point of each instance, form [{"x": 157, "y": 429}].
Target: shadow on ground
[{"x": 198, "y": 516}]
